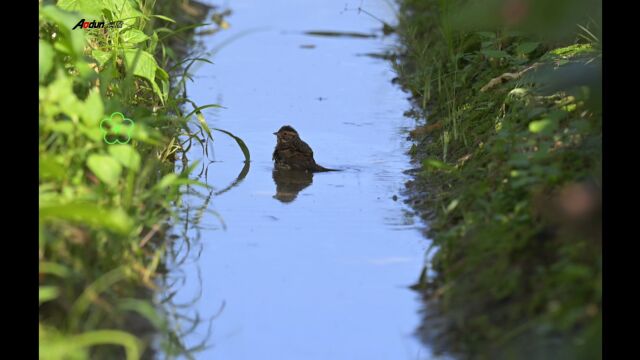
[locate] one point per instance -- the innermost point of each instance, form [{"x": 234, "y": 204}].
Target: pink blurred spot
[
  {"x": 577, "y": 200},
  {"x": 514, "y": 11}
]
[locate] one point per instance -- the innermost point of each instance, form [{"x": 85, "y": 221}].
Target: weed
[{"x": 510, "y": 180}]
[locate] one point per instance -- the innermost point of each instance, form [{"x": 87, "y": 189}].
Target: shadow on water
[
  {"x": 341, "y": 34},
  {"x": 289, "y": 183},
  {"x": 243, "y": 173},
  {"x": 183, "y": 320},
  {"x": 390, "y": 56},
  {"x": 185, "y": 250}
]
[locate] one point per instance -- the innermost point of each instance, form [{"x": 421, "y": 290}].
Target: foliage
[
  {"x": 511, "y": 173},
  {"x": 100, "y": 205}
]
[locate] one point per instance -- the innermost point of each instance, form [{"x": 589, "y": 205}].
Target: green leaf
[
  {"x": 527, "y": 47},
  {"x": 68, "y": 347},
  {"x": 45, "y": 59},
  {"x": 84, "y": 70},
  {"x": 90, "y": 214},
  {"x": 63, "y": 127},
  {"x": 161, "y": 74},
  {"x": 200, "y": 108},
  {"x": 452, "y": 205},
  {"x": 52, "y": 268},
  {"x": 51, "y": 168},
  {"x": 166, "y": 181},
  {"x": 541, "y": 126},
  {"x": 47, "y": 195},
  {"x": 243, "y": 146},
  {"x": 123, "y": 10},
  {"x": 164, "y": 18},
  {"x": 126, "y": 155},
  {"x": 105, "y": 168},
  {"x": 86, "y": 7},
  {"x": 153, "y": 43},
  {"x": 91, "y": 132},
  {"x": 93, "y": 108},
  {"x": 133, "y": 36},
  {"x": 160, "y": 92},
  {"x": 141, "y": 63},
  {"x": 101, "y": 56},
  {"x": 47, "y": 293},
  {"x": 58, "y": 97},
  {"x": 191, "y": 182},
  {"x": 203, "y": 123},
  {"x": 146, "y": 134}
]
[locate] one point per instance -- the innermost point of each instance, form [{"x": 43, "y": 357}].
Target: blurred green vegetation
[
  {"x": 104, "y": 209},
  {"x": 508, "y": 134}
]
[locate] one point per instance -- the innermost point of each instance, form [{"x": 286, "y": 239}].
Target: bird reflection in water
[{"x": 290, "y": 182}]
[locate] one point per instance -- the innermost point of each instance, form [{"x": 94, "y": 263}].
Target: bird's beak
[{"x": 275, "y": 133}]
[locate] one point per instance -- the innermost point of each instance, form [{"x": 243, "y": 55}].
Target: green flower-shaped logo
[{"x": 116, "y": 129}]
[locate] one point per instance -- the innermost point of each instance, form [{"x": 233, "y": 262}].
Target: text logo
[
  {"x": 97, "y": 25},
  {"x": 116, "y": 129}
]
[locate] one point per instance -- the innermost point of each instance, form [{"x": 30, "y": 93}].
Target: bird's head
[{"x": 286, "y": 133}]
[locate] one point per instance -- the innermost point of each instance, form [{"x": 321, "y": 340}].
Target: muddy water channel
[{"x": 318, "y": 266}]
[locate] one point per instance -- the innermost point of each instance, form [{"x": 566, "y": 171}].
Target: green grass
[
  {"x": 510, "y": 177},
  {"x": 104, "y": 209}
]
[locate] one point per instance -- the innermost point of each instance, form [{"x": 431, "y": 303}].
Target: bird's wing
[
  {"x": 303, "y": 147},
  {"x": 304, "y": 155}
]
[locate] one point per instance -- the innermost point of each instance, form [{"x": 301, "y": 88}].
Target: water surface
[{"x": 310, "y": 267}]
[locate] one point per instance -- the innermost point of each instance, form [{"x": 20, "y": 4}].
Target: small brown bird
[{"x": 291, "y": 153}]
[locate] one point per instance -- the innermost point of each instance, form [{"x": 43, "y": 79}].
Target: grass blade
[{"x": 243, "y": 146}]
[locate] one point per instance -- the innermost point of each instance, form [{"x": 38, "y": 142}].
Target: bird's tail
[{"x": 319, "y": 168}]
